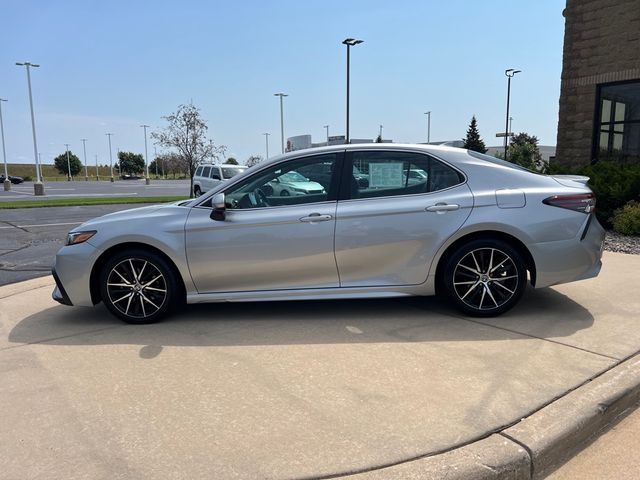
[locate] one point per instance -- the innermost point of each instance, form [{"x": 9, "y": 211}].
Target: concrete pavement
[{"x": 403, "y": 388}]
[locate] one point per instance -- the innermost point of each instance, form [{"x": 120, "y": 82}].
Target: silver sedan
[{"x": 473, "y": 228}]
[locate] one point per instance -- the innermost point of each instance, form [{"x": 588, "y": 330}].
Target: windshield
[
  {"x": 292, "y": 177},
  {"x": 231, "y": 172}
]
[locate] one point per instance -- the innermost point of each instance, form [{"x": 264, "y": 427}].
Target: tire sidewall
[{"x": 453, "y": 260}]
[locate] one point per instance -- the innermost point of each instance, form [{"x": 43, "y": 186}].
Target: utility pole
[
  {"x": 266, "y": 139},
  {"x": 281, "y": 95},
  {"x": 68, "y": 164},
  {"x": 86, "y": 171},
  {"x": 146, "y": 158}
]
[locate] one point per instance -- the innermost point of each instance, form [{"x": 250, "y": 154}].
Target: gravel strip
[{"x": 615, "y": 242}]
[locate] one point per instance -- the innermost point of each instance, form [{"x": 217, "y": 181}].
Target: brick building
[{"x": 600, "y": 91}]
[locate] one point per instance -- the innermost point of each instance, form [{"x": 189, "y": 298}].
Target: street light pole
[
  {"x": 84, "y": 147},
  {"x": 97, "y": 173},
  {"x": 349, "y": 42},
  {"x": 509, "y": 73},
  {"x": 428, "y": 114},
  {"x": 110, "y": 155},
  {"x": 7, "y": 182},
  {"x": 38, "y": 186},
  {"x": 155, "y": 158},
  {"x": 146, "y": 158},
  {"x": 68, "y": 163},
  {"x": 266, "y": 140},
  {"x": 510, "y": 124},
  {"x": 281, "y": 95},
  {"x": 327, "y": 129},
  {"x": 380, "y": 134}
]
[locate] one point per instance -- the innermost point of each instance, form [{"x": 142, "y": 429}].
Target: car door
[
  {"x": 388, "y": 229},
  {"x": 266, "y": 242}
]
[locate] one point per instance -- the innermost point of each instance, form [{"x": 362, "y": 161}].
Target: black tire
[
  {"x": 144, "y": 296},
  {"x": 485, "y": 278},
  {"x": 196, "y": 191},
  {"x": 284, "y": 193}
]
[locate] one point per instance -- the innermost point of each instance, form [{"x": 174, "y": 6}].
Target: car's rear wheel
[
  {"x": 485, "y": 278},
  {"x": 138, "y": 286},
  {"x": 284, "y": 193}
]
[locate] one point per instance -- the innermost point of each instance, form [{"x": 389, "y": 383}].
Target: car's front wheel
[
  {"x": 138, "y": 286},
  {"x": 485, "y": 278},
  {"x": 196, "y": 191}
]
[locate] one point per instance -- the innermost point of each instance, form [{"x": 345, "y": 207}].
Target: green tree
[
  {"x": 60, "y": 162},
  {"x": 130, "y": 163},
  {"x": 473, "y": 141},
  {"x": 231, "y": 161},
  {"x": 523, "y": 150},
  {"x": 186, "y": 133},
  {"x": 379, "y": 139}
]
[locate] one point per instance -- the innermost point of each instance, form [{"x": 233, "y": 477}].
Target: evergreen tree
[
  {"x": 231, "y": 161},
  {"x": 474, "y": 141}
]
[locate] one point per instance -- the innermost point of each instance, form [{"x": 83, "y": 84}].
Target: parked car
[
  {"x": 209, "y": 176},
  {"x": 476, "y": 231},
  {"x": 12, "y": 179},
  {"x": 292, "y": 183}
]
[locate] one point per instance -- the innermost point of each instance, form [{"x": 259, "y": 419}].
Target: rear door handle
[
  {"x": 443, "y": 207},
  {"x": 316, "y": 217}
]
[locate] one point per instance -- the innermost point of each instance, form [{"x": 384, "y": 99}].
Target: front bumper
[
  {"x": 72, "y": 273},
  {"x": 59, "y": 294}
]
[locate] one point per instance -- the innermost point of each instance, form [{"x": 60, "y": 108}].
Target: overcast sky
[{"x": 111, "y": 66}]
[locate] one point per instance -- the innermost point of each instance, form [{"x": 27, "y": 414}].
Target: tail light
[{"x": 584, "y": 202}]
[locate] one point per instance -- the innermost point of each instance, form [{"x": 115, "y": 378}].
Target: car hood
[{"x": 139, "y": 214}]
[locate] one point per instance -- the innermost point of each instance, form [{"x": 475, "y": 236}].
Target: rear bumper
[{"x": 570, "y": 260}]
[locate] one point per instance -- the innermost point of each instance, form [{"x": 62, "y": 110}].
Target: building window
[{"x": 618, "y": 122}]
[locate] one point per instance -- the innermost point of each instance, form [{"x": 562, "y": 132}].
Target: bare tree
[
  {"x": 186, "y": 133},
  {"x": 253, "y": 160}
]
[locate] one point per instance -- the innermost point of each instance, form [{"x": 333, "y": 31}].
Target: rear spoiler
[{"x": 565, "y": 179}]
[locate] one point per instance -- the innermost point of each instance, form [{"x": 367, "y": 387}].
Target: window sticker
[{"x": 386, "y": 175}]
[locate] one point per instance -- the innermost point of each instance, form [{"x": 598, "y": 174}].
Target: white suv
[{"x": 208, "y": 176}]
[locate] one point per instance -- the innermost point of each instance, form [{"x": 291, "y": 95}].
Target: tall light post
[
  {"x": 326, "y": 127},
  {"x": 110, "y": 155},
  {"x": 380, "y": 133},
  {"x": 84, "y": 147},
  {"x": 510, "y": 124},
  {"x": 510, "y": 72},
  {"x": 281, "y": 95},
  {"x": 68, "y": 163},
  {"x": 97, "y": 173},
  {"x": 146, "y": 158},
  {"x": 155, "y": 159},
  {"x": 349, "y": 42},
  {"x": 428, "y": 114},
  {"x": 38, "y": 186},
  {"x": 266, "y": 141},
  {"x": 7, "y": 182}
]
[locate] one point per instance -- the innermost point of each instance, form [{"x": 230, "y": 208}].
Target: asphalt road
[
  {"x": 80, "y": 188},
  {"x": 30, "y": 237}
]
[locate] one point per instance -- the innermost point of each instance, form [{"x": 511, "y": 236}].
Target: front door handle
[
  {"x": 316, "y": 217},
  {"x": 443, "y": 207}
]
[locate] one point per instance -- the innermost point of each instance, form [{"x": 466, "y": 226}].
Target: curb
[
  {"x": 24, "y": 286},
  {"x": 537, "y": 445}
]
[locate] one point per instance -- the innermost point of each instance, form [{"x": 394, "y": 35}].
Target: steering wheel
[{"x": 261, "y": 198}]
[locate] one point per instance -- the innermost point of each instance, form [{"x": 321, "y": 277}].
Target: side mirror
[{"x": 218, "y": 207}]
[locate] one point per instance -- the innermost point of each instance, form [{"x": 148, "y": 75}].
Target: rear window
[
  {"x": 498, "y": 161},
  {"x": 206, "y": 171}
]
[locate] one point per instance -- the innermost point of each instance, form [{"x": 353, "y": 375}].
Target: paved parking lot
[
  {"x": 30, "y": 237},
  {"x": 80, "y": 188},
  {"x": 291, "y": 390}
]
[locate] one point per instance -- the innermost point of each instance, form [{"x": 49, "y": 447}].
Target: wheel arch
[
  {"x": 486, "y": 235},
  {"x": 94, "y": 279}
]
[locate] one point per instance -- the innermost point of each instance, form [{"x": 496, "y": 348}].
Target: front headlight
[
  {"x": 73, "y": 238},
  {"x": 299, "y": 190}
]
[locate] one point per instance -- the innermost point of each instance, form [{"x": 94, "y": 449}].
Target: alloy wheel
[
  {"x": 136, "y": 288},
  {"x": 485, "y": 279}
]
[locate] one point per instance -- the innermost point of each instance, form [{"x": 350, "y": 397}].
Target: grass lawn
[{"x": 73, "y": 202}]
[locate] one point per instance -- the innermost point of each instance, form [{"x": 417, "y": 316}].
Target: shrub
[
  {"x": 27, "y": 178},
  {"x": 626, "y": 220}
]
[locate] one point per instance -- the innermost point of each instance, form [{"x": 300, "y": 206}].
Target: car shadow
[{"x": 410, "y": 319}]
